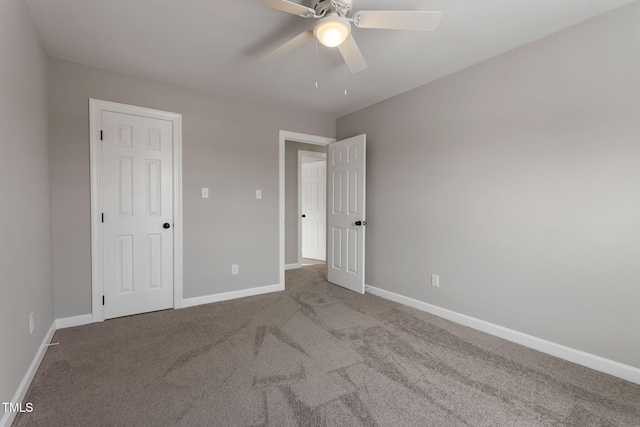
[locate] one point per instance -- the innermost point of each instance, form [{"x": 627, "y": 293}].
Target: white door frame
[
  {"x": 96, "y": 107},
  {"x": 302, "y": 154},
  {"x": 296, "y": 137}
]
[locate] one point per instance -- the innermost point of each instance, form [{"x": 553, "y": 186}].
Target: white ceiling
[{"x": 216, "y": 45}]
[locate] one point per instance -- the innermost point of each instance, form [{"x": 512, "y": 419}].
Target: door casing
[
  {"x": 296, "y": 137},
  {"x": 97, "y": 260}
]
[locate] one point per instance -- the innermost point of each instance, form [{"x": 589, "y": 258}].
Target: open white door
[{"x": 346, "y": 196}]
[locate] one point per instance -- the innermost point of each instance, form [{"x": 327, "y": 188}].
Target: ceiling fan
[{"x": 333, "y": 28}]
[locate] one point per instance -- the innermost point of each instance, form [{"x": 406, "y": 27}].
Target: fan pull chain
[
  {"x": 346, "y": 53},
  {"x": 316, "y": 63}
]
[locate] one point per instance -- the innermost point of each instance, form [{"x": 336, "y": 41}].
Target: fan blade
[
  {"x": 397, "y": 20},
  {"x": 289, "y": 46},
  {"x": 290, "y": 7},
  {"x": 352, "y": 55}
]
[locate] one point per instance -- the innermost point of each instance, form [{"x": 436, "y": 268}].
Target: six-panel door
[
  {"x": 137, "y": 203},
  {"x": 346, "y": 206},
  {"x": 314, "y": 222}
]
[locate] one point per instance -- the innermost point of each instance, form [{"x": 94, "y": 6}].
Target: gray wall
[
  {"x": 25, "y": 225},
  {"x": 229, "y": 146},
  {"x": 291, "y": 196},
  {"x": 518, "y": 181}
]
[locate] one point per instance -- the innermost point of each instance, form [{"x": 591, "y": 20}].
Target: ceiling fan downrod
[{"x": 325, "y": 7}]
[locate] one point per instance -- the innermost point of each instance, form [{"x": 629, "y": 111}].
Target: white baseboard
[
  {"x": 69, "y": 322},
  {"x": 8, "y": 417},
  {"x": 292, "y": 266},
  {"x": 225, "y": 296},
  {"x": 579, "y": 357}
]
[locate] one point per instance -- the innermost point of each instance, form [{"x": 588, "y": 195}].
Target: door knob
[
  {"x": 358, "y": 223},
  {"x": 166, "y": 225},
  {"x": 304, "y": 216}
]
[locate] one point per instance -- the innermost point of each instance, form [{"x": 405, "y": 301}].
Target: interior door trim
[{"x": 96, "y": 107}]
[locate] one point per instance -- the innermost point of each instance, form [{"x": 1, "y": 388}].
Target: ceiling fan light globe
[
  {"x": 332, "y": 37},
  {"x": 333, "y": 30}
]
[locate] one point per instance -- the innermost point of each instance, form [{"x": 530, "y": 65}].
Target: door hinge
[
  {"x": 102, "y": 217},
  {"x": 102, "y": 299},
  {"x": 100, "y": 135}
]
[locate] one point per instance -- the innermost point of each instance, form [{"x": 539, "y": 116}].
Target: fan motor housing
[{"x": 323, "y": 7}]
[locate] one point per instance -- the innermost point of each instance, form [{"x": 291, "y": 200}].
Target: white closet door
[{"x": 137, "y": 177}]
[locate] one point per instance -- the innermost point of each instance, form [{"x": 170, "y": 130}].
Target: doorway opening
[
  {"x": 345, "y": 177},
  {"x": 305, "y": 198},
  {"x": 295, "y": 150}
]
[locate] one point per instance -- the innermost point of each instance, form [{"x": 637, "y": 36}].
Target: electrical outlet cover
[{"x": 435, "y": 280}]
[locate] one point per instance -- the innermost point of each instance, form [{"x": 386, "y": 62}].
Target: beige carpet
[{"x": 313, "y": 355}]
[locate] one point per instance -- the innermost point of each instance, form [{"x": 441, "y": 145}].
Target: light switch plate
[
  {"x": 205, "y": 193},
  {"x": 258, "y": 194}
]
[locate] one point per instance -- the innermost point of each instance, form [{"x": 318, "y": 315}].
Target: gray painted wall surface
[
  {"x": 518, "y": 181},
  {"x": 25, "y": 245},
  {"x": 229, "y": 146},
  {"x": 291, "y": 149}
]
